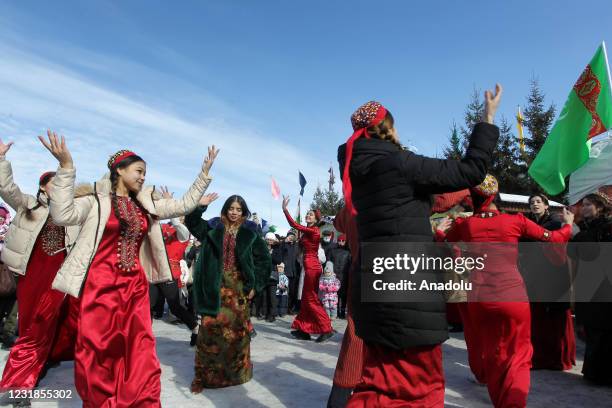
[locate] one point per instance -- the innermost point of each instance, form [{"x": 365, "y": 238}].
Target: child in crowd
[
  {"x": 329, "y": 286},
  {"x": 282, "y": 290}
]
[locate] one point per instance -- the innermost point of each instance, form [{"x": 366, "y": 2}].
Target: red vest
[{"x": 175, "y": 250}]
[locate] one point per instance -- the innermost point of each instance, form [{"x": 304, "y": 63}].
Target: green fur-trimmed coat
[{"x": 252, "y": 258}]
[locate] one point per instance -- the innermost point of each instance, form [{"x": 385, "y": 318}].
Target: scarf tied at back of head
[
  {"x": 367, "y": 115},
  {"x": 488, "y": 190}
]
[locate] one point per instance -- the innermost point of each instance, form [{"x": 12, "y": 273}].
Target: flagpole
[{"x": 603, "y": 45}]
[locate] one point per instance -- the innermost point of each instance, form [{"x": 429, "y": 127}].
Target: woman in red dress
[
  {"x": 500, "y": 322},
  {"x": 312, "y": 317},
  {"x": 552, "y": 326},
  {"x": 35, "y": 249},
  {"x": 120, "y": 248}
]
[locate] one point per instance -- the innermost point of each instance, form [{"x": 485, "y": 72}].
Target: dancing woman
[
  {"x": 592, "y": 242},
  {"x": 234, "y": 264},
  {"x": 499, "y": 324},
  {"x": 388, "y": 189},
  {"x": 35, "y": 249},
  {"x": 312, "y": 317},
  {"x": 552, "y": 326},
  {"x": 120, "y": 248}
]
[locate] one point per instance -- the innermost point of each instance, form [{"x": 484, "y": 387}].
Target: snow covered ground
[{"x": 292, "y": 373}]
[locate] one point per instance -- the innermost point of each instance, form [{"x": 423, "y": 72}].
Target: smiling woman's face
[{"x": 133, "y": 176}]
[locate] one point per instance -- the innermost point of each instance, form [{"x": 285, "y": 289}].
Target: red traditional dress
[
  {"x": 176, "y": 251},
  {"x": 115, "y": 360},
  {"x": 350, "y": 359},
  {"x": 47, "y": 318},
  {"x": 498, "y": 330},
  {"x": 312, "y": 317}
]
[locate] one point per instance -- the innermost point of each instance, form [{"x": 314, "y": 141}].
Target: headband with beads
[{"x": 118, "y": 157}]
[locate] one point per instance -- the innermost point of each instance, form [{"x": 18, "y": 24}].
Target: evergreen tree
[
  {"x": 455, "y": 148},
  {"x": 538, "y": 120},
  {"x": 506, "y": 164},
  {"x": 327, "y": 201}
]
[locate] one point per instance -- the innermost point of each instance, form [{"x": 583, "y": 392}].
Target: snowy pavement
[{"x": 292, "y": 373}]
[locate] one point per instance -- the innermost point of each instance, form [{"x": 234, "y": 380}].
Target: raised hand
[
  {"x": 4, "y": 148},
  {"x": 165, "y": 193},
  {"x": 568, "y": 217},
  {"x": 285, "y": 202},
  {"x": 58, "y": 149},
  {"x": 491, "y": 104},
  {"x": 208, "y": 198},
  {"x": 210, "y": 158}
]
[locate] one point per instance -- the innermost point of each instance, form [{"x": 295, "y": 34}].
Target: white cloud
[{"x": 38, "y": 93}]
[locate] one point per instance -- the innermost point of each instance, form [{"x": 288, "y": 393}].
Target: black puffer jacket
[
  {"x": 289, "y": 258},
  {"x": 598, "y": 312},
  {"x": 392, "y": 190},
  {"x": 341, "y": 258},
  {"x": 542, "y": 277}
]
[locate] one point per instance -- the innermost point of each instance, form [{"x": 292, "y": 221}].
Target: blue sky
[{"x": 272, "y": 83}]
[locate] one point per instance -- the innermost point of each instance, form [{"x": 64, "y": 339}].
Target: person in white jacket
[
  {"x": 34, "y": 249},
  {"x": 120, "y": 248}
]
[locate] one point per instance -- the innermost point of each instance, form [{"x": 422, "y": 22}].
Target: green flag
[{"x": 587, "y": 113}]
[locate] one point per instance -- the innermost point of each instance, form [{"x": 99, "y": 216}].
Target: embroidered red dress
[
  {"x": 115, "y": 360},
  {"x": 312, "y": 317},
  {"x": 498, "y": 331},
  {"x": 47, "y": 318}
]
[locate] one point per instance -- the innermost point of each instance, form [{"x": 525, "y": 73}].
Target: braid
[
  {"x": 30, "y": 212},
  {"x": 114, "y": 181}
]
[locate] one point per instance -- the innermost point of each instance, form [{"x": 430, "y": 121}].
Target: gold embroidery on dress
[
  {"x": 128, "y": 245},
  {"x": 53, "y": 238}
]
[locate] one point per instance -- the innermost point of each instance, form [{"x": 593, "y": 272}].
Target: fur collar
[{"x": 102, "y": 187}]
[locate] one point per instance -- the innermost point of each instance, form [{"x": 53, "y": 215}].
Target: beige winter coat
[
  {"x": 22, "y": 235},
  {"x": 92, "y": 213}
]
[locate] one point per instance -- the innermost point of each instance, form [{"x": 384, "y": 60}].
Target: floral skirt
[{"x": 223, "y": 350}]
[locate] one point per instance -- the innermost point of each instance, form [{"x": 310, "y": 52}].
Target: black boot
[
  {"x": 193, "y": 340},
  {"x": 300, "y": 335},
  {"x": 338, "y": 397},
  {"x": 325, "y": 337}
]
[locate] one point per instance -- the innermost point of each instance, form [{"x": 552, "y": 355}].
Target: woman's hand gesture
[
  {"x": 166, "y": 194},
  {"x": 285, "y": 202},
  {"x": 58, "y": 149},
  {"x": 444, "y": 224},
  {"x": 4, "y": 148},
  {"x": 210, "y": 158},
  {"x": 568, "y": 216},
  {"x": 208, "y": 198},
  {"x": 491, "y": 103}
]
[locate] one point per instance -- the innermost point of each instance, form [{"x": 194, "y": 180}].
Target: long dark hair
[
  {"x": 114, "y": 178},
  {"x": 246, "y": 213},
  {"x": 42, "y": 182}
]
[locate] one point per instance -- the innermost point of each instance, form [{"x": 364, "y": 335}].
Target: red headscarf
[
  {"x": 367, "y": 115},
  {"x": 487, "y": 189},
  {"x": 45, "y": 174}
]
